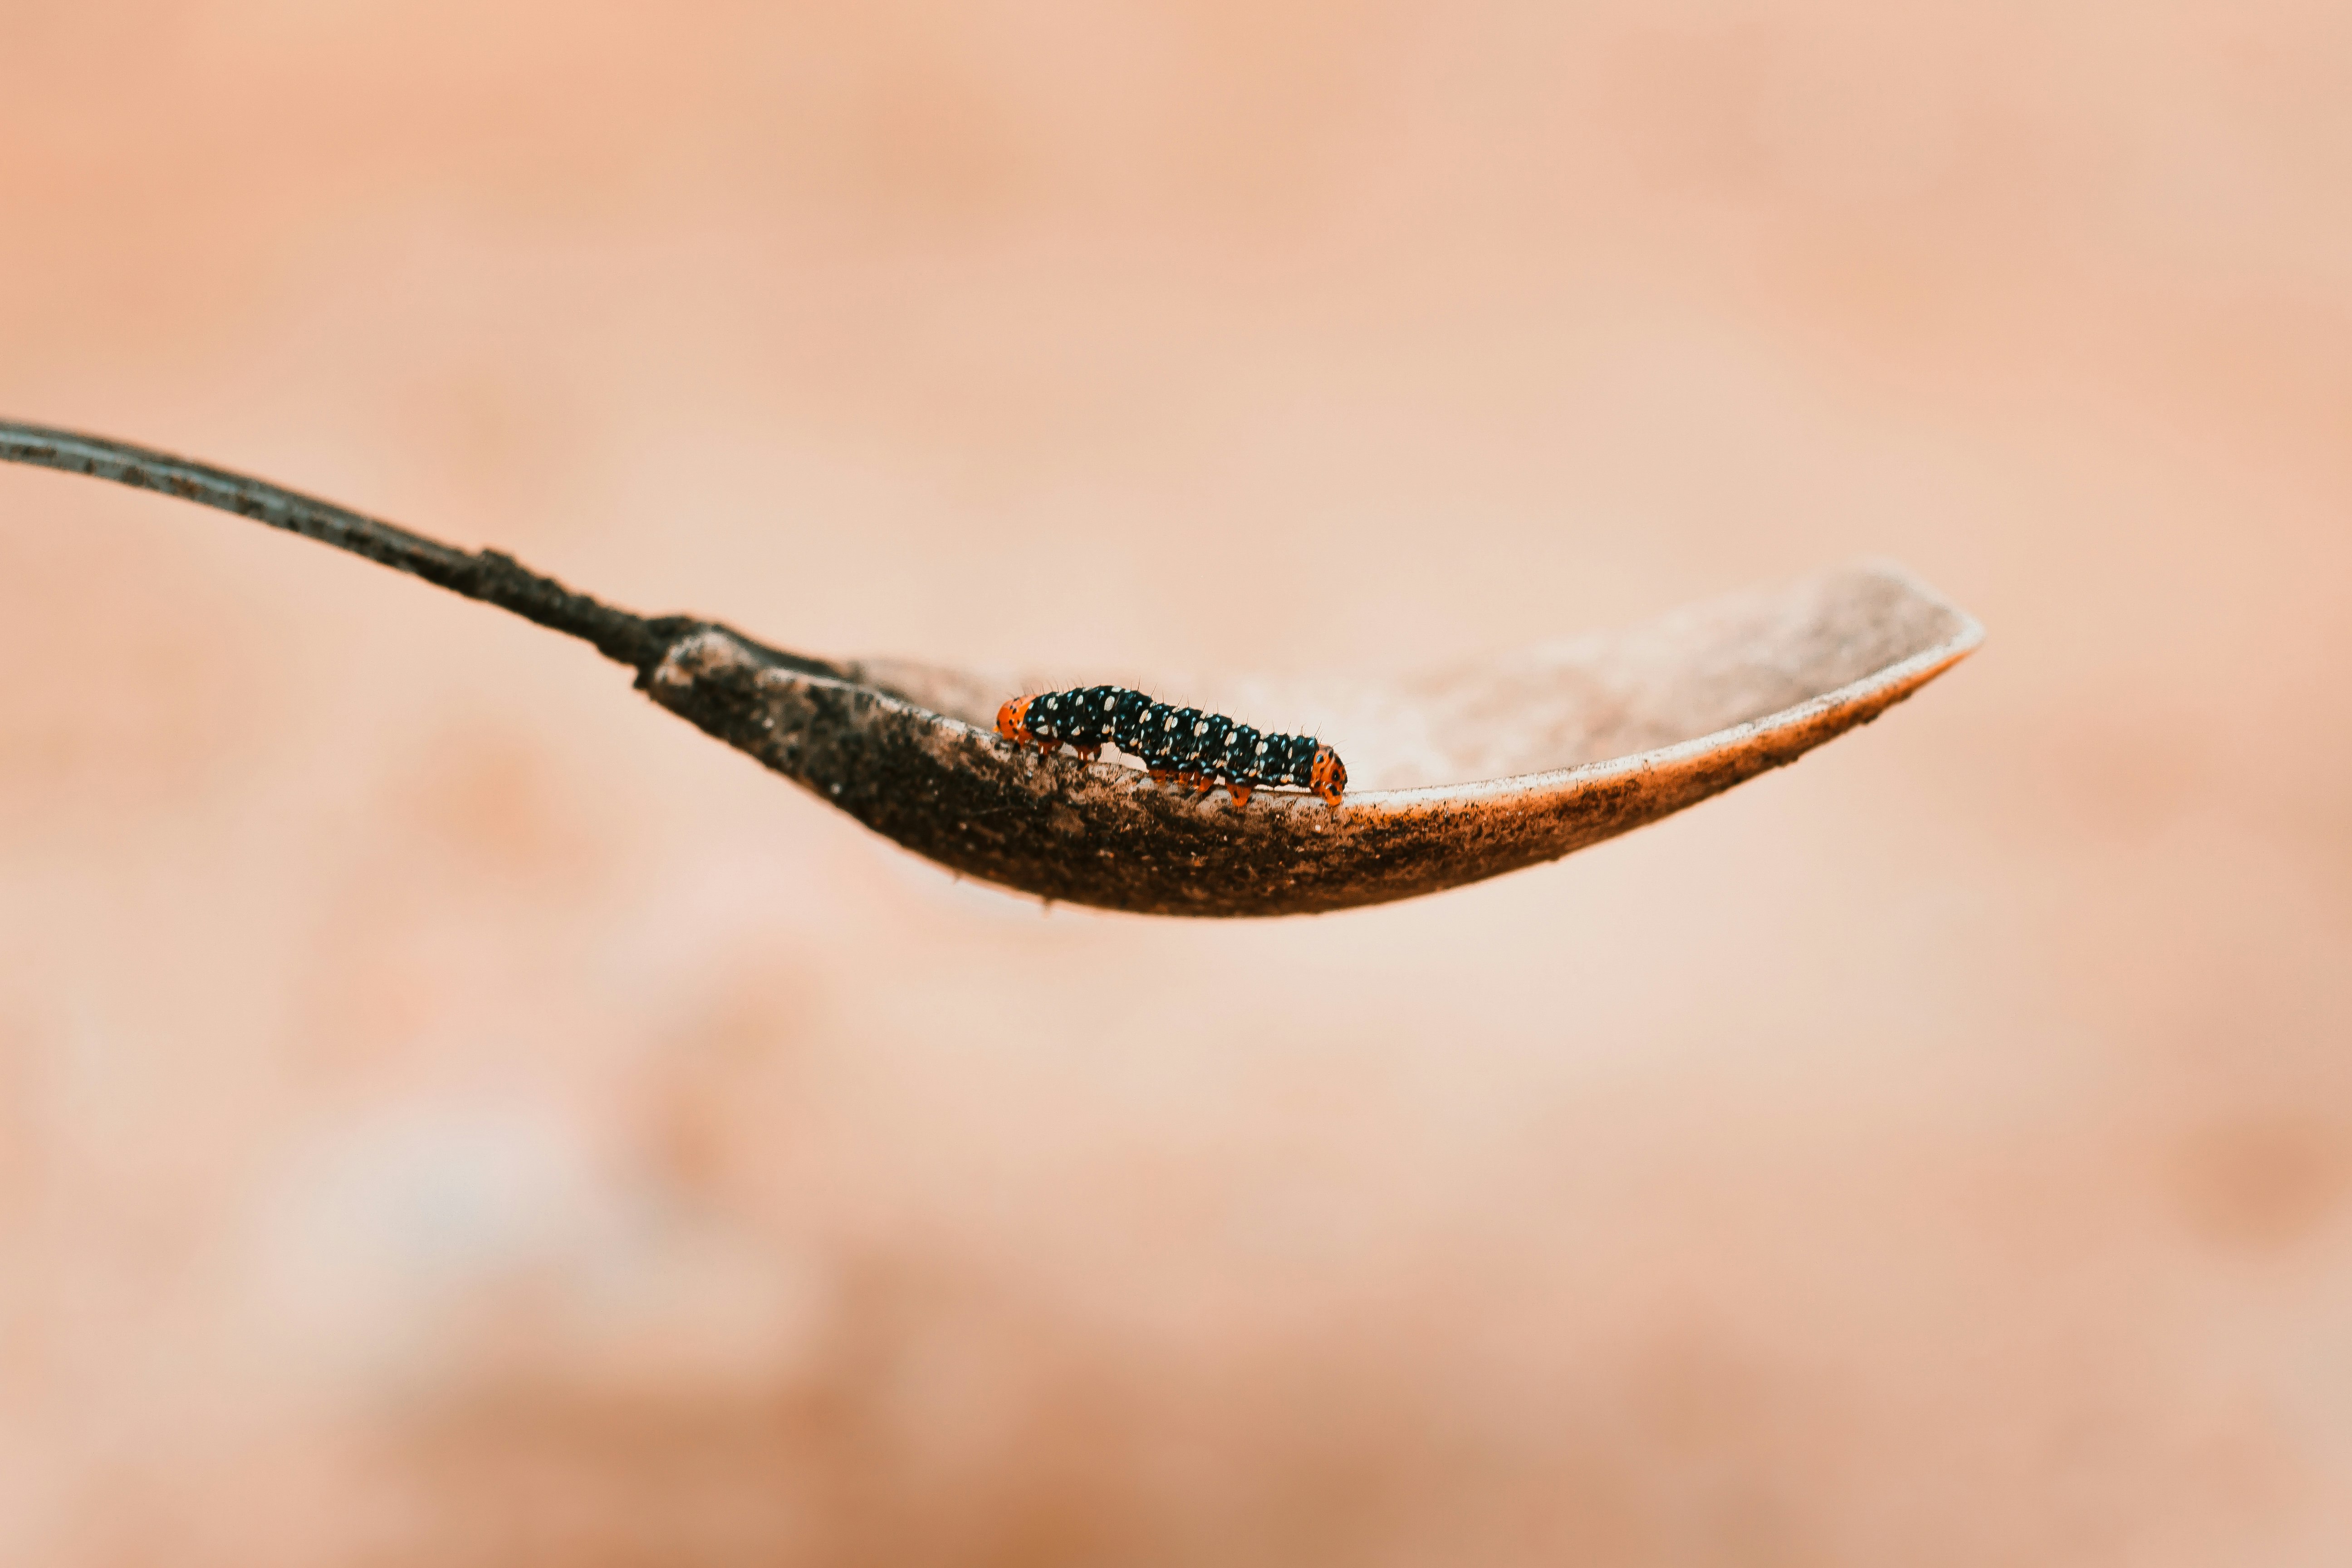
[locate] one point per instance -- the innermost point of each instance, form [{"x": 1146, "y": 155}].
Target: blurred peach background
[{"x": 452, "y": 1113}]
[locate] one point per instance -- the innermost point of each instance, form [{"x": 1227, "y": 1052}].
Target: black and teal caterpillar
[{"x": 1199, "y": 749}]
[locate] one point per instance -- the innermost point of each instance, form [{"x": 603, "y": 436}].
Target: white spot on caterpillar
[{"x": 1200, "y": 728}]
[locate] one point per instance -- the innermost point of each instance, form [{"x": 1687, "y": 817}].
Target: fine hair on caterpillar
[{"x": 1200, "y": 751}]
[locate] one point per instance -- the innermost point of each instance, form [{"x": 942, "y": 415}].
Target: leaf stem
[{"x": 488, "y": 575}]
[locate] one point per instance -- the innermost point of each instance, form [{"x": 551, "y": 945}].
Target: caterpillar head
[
  {"x": 1329, "y": 775},
  {"x": 1012, "y": 721}
]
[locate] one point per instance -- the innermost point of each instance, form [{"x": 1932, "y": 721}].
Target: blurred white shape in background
[{"x": 423, "y": 1237}]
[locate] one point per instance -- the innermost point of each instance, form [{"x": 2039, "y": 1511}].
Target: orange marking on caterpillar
[
  {"x": 1012, "y": 721},
  {"x": 1330, "y": 777}
]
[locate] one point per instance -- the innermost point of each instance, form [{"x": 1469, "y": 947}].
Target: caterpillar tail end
[
  {"x": 1329, "y": 776},
  {"x": 1012, "y": 721}
]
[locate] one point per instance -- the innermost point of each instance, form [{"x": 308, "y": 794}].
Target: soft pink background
[{"x": 452, "y": 1113}]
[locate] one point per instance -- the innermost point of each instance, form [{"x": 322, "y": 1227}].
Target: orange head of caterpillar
[
  {"x": 1012, "y": 721},
  {"x": 1329, "y": 776}
]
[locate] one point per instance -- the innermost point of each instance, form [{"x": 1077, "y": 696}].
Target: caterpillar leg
[
  {"x": 1203, "y": 783},
  {"x": 1162, "y": 776},
  {"x": 1088, "y": 754},
  {"x": 1240, "y": 791}
]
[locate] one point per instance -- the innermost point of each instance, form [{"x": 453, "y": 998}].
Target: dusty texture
[{"x": 1540, "y": 754}]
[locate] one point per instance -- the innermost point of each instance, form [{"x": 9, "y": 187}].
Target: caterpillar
[{"x": 1199, "y": 749}]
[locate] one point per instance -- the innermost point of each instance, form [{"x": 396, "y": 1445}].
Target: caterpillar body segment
[{"x": 1199, "y": 751}]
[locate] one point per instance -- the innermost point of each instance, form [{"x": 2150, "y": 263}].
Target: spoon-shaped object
[{"x": 1456, "y": 776}]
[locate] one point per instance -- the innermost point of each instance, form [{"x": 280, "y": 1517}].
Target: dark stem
[{"x": 488, "y": 575}]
